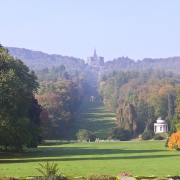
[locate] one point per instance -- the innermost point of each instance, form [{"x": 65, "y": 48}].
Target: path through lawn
[{"x": 94, "y": 117}]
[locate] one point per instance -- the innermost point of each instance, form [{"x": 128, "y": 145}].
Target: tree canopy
[{"x": 19, "y": 110}]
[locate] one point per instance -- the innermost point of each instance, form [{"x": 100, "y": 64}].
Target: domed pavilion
[{"x": 160, "y": 126}]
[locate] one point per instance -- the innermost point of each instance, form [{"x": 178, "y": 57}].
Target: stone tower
[{"x": 95, "y": 61}]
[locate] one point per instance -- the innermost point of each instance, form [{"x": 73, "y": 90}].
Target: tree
[
  {"x": 126, "y": 117},
  {"x": 174, "y": 141},
  {"x": 58, "y": 110},
  {"x": 176, "y": 118},
  {"x": 34, "y": 112},
  {"x": 119, "y": 133},
  {"x": 84, "y": 134},
  {"x": 171, "y": 107},
  {"x": 61, "y": 100},
  {"x": 46, "y": 124},
  {"x": 103, "y": 78},
  {"x": 18, "y": 127},
  {"x": 147, "y": 134}
]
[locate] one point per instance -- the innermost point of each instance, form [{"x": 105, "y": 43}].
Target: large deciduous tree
[{"x": 19, "y": 124}]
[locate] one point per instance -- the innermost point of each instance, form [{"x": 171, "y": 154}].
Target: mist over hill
[
  {"x": 125, "y": 63},
  {"x": 41, "y": 60}
]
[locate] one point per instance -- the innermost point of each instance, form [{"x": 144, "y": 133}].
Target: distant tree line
[
  {"x": 60, "y": 94},
  {"x": 58, "y": 74}
]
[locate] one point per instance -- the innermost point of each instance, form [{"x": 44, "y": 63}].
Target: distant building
[
  {"x": 161, "y": 126},
  {"x": 95, "y": 61}
]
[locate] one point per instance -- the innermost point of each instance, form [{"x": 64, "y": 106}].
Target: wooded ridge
[{"x": 40, "y": 60}]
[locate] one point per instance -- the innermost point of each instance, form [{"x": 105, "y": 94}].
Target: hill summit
[{"x": 41, "y": 60}]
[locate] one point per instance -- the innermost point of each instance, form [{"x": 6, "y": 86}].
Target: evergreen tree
[{"x": 171, "y": 106}]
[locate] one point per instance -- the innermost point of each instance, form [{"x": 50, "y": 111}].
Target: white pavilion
[{"x": 160, "y": 126}]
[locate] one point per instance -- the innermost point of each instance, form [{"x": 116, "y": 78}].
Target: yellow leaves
[
  {"x": 174, "y": 140},
  {"x": 167, "y": 89},
  {"x": 102, "y": 83}
]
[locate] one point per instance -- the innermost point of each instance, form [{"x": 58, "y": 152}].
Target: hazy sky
[{"x": 134, "y": 28}]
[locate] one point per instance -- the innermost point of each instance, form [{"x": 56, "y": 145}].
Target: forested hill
[
  {"x": 125, "y": 63},
  {"x": 40, "y": 60}
]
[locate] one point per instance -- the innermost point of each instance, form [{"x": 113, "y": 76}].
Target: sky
[{"x": 134, "y": 28}]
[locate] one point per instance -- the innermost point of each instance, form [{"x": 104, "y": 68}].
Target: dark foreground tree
[{"x": 19, "y": 111}]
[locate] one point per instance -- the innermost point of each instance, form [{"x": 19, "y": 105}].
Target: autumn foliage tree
[
  {"x": 60, "y": 100},
  {"x": 174, "y": 141}
]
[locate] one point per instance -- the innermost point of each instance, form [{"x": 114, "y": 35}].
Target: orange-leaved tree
[{"x": 174, "y": 141}]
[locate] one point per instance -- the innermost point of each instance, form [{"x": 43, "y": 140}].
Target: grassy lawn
[
  {"x": 136, "y": 158},
  {"x": 94, "y": 117},
  {"x": 139, "y": 158}
]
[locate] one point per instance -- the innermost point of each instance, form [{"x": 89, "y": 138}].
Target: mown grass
[
  {"x": 94, "y": 117},
  {"x": 144, "y": 158}
]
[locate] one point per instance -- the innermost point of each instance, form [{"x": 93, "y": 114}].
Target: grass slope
[
  {"x": 94, "y": 117},
  {"x": 143, "y": 158}
]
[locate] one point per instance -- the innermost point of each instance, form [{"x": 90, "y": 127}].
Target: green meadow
[
  {"x": 94, "y": 117},
  {"x": 141, "y": 158}
]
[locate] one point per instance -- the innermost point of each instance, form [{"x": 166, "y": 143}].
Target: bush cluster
[
  {"x": 158, "y": 137},
  {"x": 147, "y": 135},
  {"x": 119, "y": 133}
]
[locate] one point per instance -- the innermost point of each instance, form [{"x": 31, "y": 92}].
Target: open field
[
  {"x": 94, "y": 117},
  {"x": 137, "y": 158}
]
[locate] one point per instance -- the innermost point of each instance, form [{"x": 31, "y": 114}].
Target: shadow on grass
[
  {"x": 57, "y": 158},
  {"x": 58, "y": 153}
]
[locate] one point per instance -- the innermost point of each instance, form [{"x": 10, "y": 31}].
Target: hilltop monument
[{"x": 95, "y": 61}]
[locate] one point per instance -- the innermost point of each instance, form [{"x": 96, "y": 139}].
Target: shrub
[
  {"x": 48, "y": 169},
  {"x": 148, "y": 134},
  {"x": 84, "y": 134},
  {"x": 158, "y": 137},
  {"x": 174, "y": 141},
  {"x": 118, "y": 133},
  {"x": 100, "y": 177}
]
